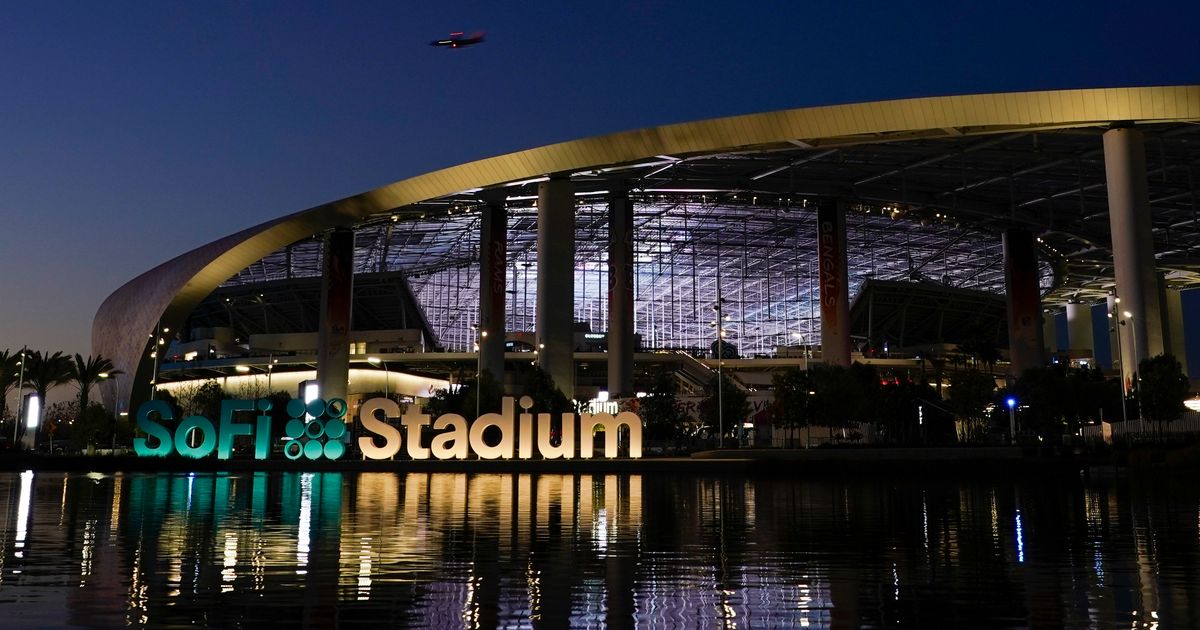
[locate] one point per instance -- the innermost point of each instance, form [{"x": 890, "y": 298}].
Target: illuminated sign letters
[{"x": 317, "y": 430}]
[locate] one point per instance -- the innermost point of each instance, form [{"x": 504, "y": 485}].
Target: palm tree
[
  {"x": 87, "y": 372},
  {"x": 44, "y": 372},
  {"x": 8, "y": 377}
]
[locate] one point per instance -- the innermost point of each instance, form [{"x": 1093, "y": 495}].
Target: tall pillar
[
  {"x": 1114, "y": 335},
  {"x": 1175, "y": 325},
  {"x": 620, "y": 296},
  {"x": 1079, "y": 327},
  {"x": 1049, "y": 333},
  {"x": 1133, "y": 247},
  {"x": 337, "y": 297},
  {"x": 556, "y": 282},
  {"x": 493, "y": 266},
  {"x": 1024, "y": 301},
  {"x": 834, "y": 283}
]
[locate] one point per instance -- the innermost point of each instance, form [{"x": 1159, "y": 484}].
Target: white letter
[
  {"x": 502, "y": 420},
  {"x": 389, "y": 433},
  {"x": 566, "y": 441},
  {"x": 612, "y": 426},
  {"x": 451, "y": 444},
  {"x": 412, "y": 424},
  {"x": 525, "y": 430}
]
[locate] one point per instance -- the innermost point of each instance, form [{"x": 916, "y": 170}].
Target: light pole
[
  {"x": 158, "y": 341},
  {"x": 1124, "y": 386},
  {"x": 720, "y": 326},
  {"x": 20, "y": 398},
  {"x": 803, "y": 348},
  {"x": 480, "y": 337},
  {"x": 1012, "y": 420},
  {"x": 1136, "y": 371},
  {"x": 103, "y": 377}
]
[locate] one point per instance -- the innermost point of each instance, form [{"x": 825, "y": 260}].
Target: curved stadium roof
[{"x": 931, "y": 181}]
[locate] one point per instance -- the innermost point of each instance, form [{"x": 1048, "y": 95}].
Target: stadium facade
[{"x": 887, "y": 232}]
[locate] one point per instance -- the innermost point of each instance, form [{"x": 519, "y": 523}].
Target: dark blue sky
[{"x": 130, "y": 132}]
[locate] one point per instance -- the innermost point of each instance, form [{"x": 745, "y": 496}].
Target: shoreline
[{"x": 749, "y": 462}]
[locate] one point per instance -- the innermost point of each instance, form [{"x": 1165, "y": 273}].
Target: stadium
[{"x": 895, "y": 233}]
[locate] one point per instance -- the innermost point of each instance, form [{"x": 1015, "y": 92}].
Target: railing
[{"x": 1187, "y": 423}]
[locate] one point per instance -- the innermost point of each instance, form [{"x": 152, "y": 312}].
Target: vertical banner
[
  {"x": 337, "y": 295},
  {"x": 620, "y": 296},
  {"x": 834, "y": 283},
  {"x": 493, "y": 254},
  {"x": 1024, "y": 301}
]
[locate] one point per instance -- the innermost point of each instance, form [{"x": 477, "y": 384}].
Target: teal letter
[
  {"x": 262, "y": 433},
  {"x": 153, "y": 429},
  {"x": 262, "y": 438},
  {"x": 231, "y": 429},
  {"x": 207, "y": 442}
]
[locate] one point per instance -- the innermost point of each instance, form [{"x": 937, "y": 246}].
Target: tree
[
  {"x": 971, "y": 391},
  {"x": 94, "y": 423},
  {"x": 792, "y": 407},
  {"x": 44, "y": 372},
  {"x": 9, "y": 369},
  {"x": 487, "y": 390},
  {"x": 445, "y": 401},
  {"x": 733, "y": 401},
  {"x": 1162, "y": 388},
  {"x": 87, "y": 372},
  {"x": 207, "y": 400},
  {"x": 844, "y": 394},
  {"x": 660, "y": 409},
  {"x": 908, "y": 411},
  {"x": 1045, "y": 399},
  {"x": 547, "y": 398},
  {"x": 61, "y": 420}
]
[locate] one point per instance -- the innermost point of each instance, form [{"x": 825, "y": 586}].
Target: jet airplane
[{"x": 458, "y": 40}]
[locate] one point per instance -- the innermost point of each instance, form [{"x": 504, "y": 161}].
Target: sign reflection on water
[{"x": 483, "y": 550}]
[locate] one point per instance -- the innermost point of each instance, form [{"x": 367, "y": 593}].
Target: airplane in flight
[{"x": 457, "y": 40}]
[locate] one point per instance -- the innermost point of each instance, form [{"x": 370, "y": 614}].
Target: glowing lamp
[{"x": 32, "y": 411}]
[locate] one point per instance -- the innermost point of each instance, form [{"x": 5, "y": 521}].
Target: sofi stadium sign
[{"x": 319, "y": 430}]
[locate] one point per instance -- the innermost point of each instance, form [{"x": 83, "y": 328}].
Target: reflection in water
[{"x": 487, "y": 550}]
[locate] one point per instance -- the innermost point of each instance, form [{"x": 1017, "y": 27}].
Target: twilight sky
[{"x": 133, "y": 131}]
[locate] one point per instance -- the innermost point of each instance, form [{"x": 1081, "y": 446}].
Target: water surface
[{"x": 459, "y": 550}]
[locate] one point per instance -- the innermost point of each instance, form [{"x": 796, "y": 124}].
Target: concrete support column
[
  {"x": 1079, "y": 328},
  {"x": 620, "y": 296},
  {"x": 1114, "y": 336},
  {"x": 337, "y": 298},
  {"x": 556, "y": 282},
  {"x": 834, "y": 283},
  {"x": 1133, "y": 247},
  {"x": 1175, "y": 325},
  {"x": 1024, "y": 301},
  {"x": 493, "y": 267}
]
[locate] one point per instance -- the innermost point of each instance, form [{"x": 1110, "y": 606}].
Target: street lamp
[
  {"x": 720, "y": 326},
  {"x": 103, "y": 376},
  {"x": 158, "y": 341},
  {"x": 803, "y": 348},
  {"x": 271, "y": 361},
  {"x": 1124, "y": 386},
  {"x": 480, "y": 337},
  {"x": 1012, "y": 420},
  {"x": 386, "y": 374}
]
